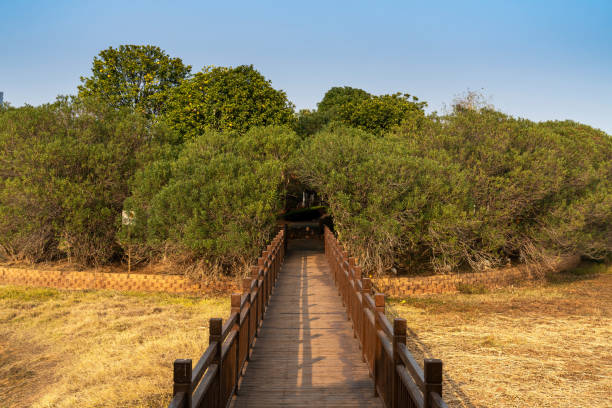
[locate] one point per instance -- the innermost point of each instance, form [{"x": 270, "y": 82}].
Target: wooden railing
[
  {"x": 398, "y": 378},
  {"x": 214, "y": 379}
]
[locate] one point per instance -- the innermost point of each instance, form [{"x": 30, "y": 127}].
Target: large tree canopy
[
  {"x": 222, "y": 98},
  {"x": 133, "y": 76},
  {"x": 357, "y": 108},
  {"x": 339, "y": 96}
]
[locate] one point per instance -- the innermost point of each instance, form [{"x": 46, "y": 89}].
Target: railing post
[
  {"x": 182, "y": 379},
  {"x": 261, "y": 295},
  {"x": 235, "y": 308},
  {"x": 246, "y": 288},
  {"x": 215, "y": 327},
  {"x": 352, "y": 262},
  {"x": 264, "y": 267},
  {"x": 399, "y": 337},
  {"x": 379, "y": 303},
  {"x": 366, "y": 287},
  {"x": 358, "y": 313},
  {"x": 432, "y": 370},
  {"x": 255, "y": 276}
]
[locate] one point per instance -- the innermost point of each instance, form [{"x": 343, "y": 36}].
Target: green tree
[
  {"x": 356, "y": 108},
  {"x": 226, "y": 99},
  {"x": 133, "y": 76},
  {"x": 337, "y": 97},
  {"x": 308, "y": 122},
  {"x": 64, "y": 171},
  {"x": 379, "y": 114}
]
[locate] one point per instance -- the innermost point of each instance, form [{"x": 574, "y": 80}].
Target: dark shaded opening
[{"x": 305, "y": 212}]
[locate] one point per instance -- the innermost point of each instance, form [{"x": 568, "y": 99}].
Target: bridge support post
[
  {"x": 432, "y": 370},
  {"x": 399, "y": 337},
  {"x": 182, "y": 379}
]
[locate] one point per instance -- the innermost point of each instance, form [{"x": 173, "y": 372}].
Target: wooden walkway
[{"x": 306, "y": 354}]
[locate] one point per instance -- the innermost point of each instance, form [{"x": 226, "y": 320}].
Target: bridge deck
[{"x": 306, "y": 354}]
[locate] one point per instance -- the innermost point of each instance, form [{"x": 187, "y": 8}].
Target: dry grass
[
  {"x": 547, "y": 345},
  {"x": 97, "y": 348}
]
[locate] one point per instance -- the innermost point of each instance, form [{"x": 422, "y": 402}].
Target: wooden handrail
[
  {"x": 215, "y": 378},
  {"x": 178, "y": 400},
  {"x": 437, "y": 400},
  {"x": 413, "y": 389},
  {"x": 203, "y": 364},
  {"x": 205, "y": 385},
  {"x": 413, "y": 367},
  {"x": 398, "y": 378}
]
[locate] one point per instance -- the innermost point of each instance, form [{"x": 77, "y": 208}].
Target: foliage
[
  {"x": 63, "y": 178},
  {"x": 308, "y": 122},
  {"x": 356, "y": 108},
  {"x": 226, "y": 99},
  {"x": 205, "y": 162},
  {"x": 133, "y": 76},
  {"x": 379, "y": 114},
  {"x": 337, "y": 97},
  {"x": 475, "y": 188},
  {"x": 377, "y": 192},
  {"x": 217, "y": 199}
]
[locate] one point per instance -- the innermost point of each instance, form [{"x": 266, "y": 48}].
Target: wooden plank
[{"x": 306, "y": 353}]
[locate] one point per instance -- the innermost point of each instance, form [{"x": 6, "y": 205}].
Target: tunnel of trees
[{"x": 211, "y": 163}]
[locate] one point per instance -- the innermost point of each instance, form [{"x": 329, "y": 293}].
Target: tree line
[{"x": 203, "y": 162}]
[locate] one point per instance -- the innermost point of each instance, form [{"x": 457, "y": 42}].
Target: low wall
[
  {"x": 493, "y": 279},
  {"x": 110, "y": 281}
]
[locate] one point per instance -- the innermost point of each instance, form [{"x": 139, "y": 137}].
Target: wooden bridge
[{"x": 325, "y": 340}]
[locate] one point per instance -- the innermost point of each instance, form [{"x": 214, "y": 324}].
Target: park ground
[
  {"x": 97, "y": 348},
  {"x": 546, "y": 345},
  {"x": 543, "y": 345}
]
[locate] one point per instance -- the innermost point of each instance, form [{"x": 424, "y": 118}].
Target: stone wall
[
  {"x": 111, "y": 281},
  {"x": 452, "y": 283}
]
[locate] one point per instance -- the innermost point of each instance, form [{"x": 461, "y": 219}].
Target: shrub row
[
  {"x": 475, "y": 188},
  {"x": 205, "y": 174}
]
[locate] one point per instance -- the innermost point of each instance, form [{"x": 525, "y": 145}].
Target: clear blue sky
[{"x": 535, "y": 59}]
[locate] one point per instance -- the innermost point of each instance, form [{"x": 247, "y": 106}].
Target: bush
[
  {"x": 379, "y": 194},
  {"x": 63, "y": 178},
  {"x": 474, "y": 188},
  {"x": 216, "y": 200}
]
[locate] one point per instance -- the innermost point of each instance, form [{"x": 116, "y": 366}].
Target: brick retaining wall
[
  {"x": 497, "y": 278},
  {"x": 111, "y": 281}
]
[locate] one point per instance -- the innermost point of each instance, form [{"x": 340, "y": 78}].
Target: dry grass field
[
  {"x": 543, "y": 345},
  {"x": 97, "y": 348},
  {"x": 547, "y": 345}
]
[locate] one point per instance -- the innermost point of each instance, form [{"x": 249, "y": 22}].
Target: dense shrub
[
  {"x": 475, "y": 188},
  {"x": 216, "y": 200},
  {"x": 63, "y": 178}
]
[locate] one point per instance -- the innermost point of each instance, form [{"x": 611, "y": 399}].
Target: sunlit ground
[
  {"x": 97, "y": 348},
  {"x": 548, "y": 345}
]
